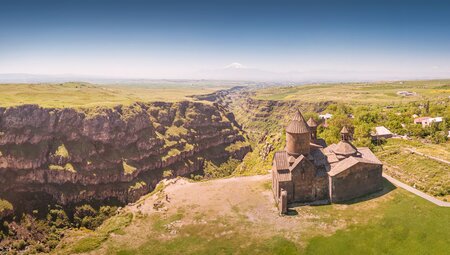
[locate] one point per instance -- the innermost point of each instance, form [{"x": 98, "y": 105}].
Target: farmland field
[
  {"x": 380, "y": 92},
  {"x": 425, "y": 174},
  {"x": 87, "y": 95}
]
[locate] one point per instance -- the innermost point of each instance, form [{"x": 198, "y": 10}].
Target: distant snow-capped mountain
[
  {"x": 238, "y": 71},
  {"x": 235, "y": 66}
]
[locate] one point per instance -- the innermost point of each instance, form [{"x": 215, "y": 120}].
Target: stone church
[{"x": 307, "y": 170}]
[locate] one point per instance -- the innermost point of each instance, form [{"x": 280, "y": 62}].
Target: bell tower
[
  {"x": 298, "y": 136},
  {"x": 345, "y": 135},
  {"x": 312, "y": 124}
]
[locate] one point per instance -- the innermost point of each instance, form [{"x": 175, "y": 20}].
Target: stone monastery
[{"x": 308, "y": 170}]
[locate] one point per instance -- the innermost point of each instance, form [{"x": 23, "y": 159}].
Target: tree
[
  {"x": 85, "y": 216},
  {"x": 58, "y": 218}
]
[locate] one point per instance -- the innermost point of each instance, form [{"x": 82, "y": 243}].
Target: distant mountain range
[
  {"x": 234, "y": 72},
  {"x": 237, "y": 71}
]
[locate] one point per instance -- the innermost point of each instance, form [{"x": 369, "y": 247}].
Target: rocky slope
[
  {"x": 263, "y": 120},
  {"x": 70, "y": 155}
]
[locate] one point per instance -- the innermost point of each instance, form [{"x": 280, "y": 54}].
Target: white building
[
  {"x": 406, "y": 93},
  {"x": 325, "y": 116},
  {"x": 426, "y": 121}
]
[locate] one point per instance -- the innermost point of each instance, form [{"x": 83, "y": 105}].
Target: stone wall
[{"x": 359, "y": 180}]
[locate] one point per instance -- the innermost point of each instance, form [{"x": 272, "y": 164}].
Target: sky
[{"x": 199, "y": 39}]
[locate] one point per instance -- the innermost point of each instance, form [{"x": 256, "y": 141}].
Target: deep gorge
[{"x": 120, "y": 153}]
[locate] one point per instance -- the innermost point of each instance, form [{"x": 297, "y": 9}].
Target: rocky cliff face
[
  {"x": 259, "y": 117},
  {"x": 263, "y": 120},
  {"x": 120, "y": 153}
]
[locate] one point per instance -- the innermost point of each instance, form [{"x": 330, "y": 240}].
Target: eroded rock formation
[{"x": 112, "y": 153}]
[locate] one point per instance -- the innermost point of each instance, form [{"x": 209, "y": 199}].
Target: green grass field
[
  {"x": 409, "y": 225},
  {"x": 380, "y": 92},
  {"x": 87, "y": 95}
]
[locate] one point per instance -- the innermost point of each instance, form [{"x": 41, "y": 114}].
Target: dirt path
[
  {"x": 416, "y": 192},
  {"x": 428, "y": 156}
]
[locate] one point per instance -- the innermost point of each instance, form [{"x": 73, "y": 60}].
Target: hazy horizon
[{"x": 253, "y": 40}]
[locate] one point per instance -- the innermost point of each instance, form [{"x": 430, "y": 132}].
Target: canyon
[{"x": 68, "y": 155}]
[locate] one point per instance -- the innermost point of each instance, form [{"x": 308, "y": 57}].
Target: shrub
[
  {"x": 19, "y": 245},
  {"x": 85, "y": 216},
  {"x": 58, "y": 218},
  {"x": 167, "y": 173}
]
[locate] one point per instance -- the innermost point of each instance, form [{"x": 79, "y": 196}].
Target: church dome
[
  {"x": 345, "y": 148},
  {"x": 297, "y": 125}
]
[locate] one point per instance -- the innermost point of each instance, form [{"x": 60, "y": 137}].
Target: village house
[
  {"x": 427, "y": 121},
  {"x": 381, "y": 132},
  {"x": 406, "y": 93},
  {"x": 325, "y": 116},
  {"x": 307, "y": 170}
]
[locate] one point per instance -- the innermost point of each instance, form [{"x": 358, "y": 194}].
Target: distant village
[{"x": 381, "y": 132}]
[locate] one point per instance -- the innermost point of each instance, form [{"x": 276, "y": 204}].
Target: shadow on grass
[
  {"x": 291, "y": 212},
  {"x": 387, "y": 187},
  {"x": 313, "y": 203}
]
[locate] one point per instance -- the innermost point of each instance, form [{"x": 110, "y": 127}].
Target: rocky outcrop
[{"x": 108, "y": 153}]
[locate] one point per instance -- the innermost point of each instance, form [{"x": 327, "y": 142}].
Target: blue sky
[{"x": 182, "y": 39}]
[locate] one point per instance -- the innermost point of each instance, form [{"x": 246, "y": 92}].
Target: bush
[
  {"x": 167, "y": 173},
  {"x": 438, "y": 137},
  {"x": 58, "y": 218},
  {"x": 19, "y": 245},
  {"x": 84, "y": 216},
  {"x": 87, "y": 217},
  {"x": 217, "y": 171},
  {"x": 196, "y": 177}
]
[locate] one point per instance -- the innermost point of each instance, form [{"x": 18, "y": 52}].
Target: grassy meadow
[
  {"x": 364, "y": 93},
  {"x": 74, "y": 94}
]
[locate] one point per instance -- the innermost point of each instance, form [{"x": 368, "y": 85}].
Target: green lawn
[
  {"x": 379, "y": 92},
  {"x": 410, "y": 225},
  {"x": 86, "y": 95}
]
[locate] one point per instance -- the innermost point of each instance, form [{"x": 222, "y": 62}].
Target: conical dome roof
[
  {"x": 298, "y": 124},
  {"x": 311, "y": 122},
  {"x": 344, "y": 130},
  {"x": 345, "y": 148}
]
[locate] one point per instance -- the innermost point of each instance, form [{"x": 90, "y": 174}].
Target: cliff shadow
[
  {"x": 387, "y": 188},
  {"x": 39, "y": 203}
]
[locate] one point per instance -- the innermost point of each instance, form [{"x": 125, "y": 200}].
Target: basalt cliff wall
[
  {"x": 116, "y": 153},
  {"x": 263, "y": 120}
]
